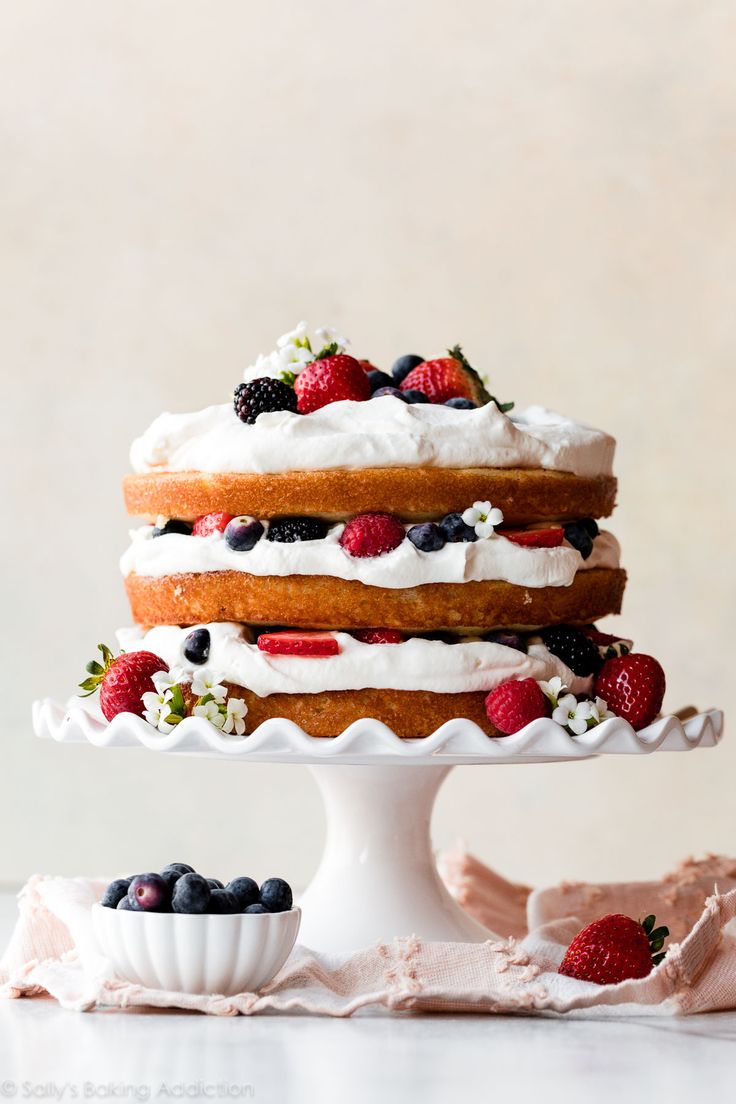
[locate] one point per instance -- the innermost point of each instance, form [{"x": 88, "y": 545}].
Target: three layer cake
[{"x": 338, "y": 542}]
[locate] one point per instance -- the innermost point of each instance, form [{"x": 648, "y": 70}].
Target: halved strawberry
[
  {"x": 296, "y": 643},
  {"x": 535, "y": 538},
  {"x": 379, "y": 636},
  {"x": 211, "y": 523}
]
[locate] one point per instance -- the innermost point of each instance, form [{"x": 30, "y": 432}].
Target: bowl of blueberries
[{"x": 180, "y": 931}]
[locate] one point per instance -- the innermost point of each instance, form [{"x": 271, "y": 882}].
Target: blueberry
[
  {"x": 442, "y": 635},
  {"x": 455, "y": 529},
  {"x": 276, "y": 895},
  {"x": 403, "y": 366},
  {"x": 590, "y": 525},
  {"x": 173, "y": 871},
  {"x": 173, "y": 526},
  {"x": 196, "y": 649},
  {"x": 392, "y": 391},
  {"x": 579, "y": 537},
  {"x": 246, "y": 891},
  {"x": 242, "y": 533},
  {"x": 215, "y": 883},
  {"x": 191, "y": 894},
  {"x": 459, "y": 403},
  {"x": 508, "y": 639},
  {"x": 412, "y": 396},
  {"x": 257, "y": 907},
  {"x": 124, "y": 904},
  {"x": 427, "y": 537},
  {"x": 148, "y": 893},
  {"x": 115, "y": 892},
  {"x": 377, "y": 379},
  {"x": 223, "y": 902}
]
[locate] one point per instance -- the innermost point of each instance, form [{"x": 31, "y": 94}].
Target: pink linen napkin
[{"x": 53, "y": 953}]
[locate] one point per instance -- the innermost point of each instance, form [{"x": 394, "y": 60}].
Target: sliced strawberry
[
  {"x": 379, "y": 636},
  {"x": 211, "y": 523},
  {"x": 297, "y": 643},
  {"x": 535, "y": 538}
]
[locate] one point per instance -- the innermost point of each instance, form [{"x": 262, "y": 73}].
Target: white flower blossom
[
  {"x": 164, "y": 680},
  {"x": 327, "y": 335},
  {"x": 482, "y": 517},
  {"x": 553, "y": 688},
  {"x": 599, "y": 711},
  {"x": 294, "y": 350},
  {"x": 572, "y": 714},
  {"x": 235, "y": 717},
  {"x": 293, "y": 337},
  {"x": 207, "y": 682},
  {"x": 156, "y": 707},
  {"x": 211, "y": 712}
]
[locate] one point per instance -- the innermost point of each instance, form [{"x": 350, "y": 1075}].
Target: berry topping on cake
[
  {"x": 379, "y": 636},
  {"x": 576, "y": 651},
  {"x": 290, "y": 529},
  {"x": 297, "y": 643},
  {"x": 427, "y": 537},
  {"x": 581, "y": 534},
  {"x": 242, "y": 533},
  {"x": 507, "y": 639},
  {"x": 615, "y": 948},
  {"x": 412, "y": 396},
  {"x": 211, "y": 523},
  {"x": 263, "y": 396},
  {"x": 148, "y": 893},
  {"x": 372, "y": 535},
  {"x": 514, "y": 705},
  {"x": 378, "y": 379},
  {"x": 328, "y": 380},
  {"x": 389, "y": 392},
  {"x": 535, "y": 538},
  {"x": 403, "y": 366},
  {"x": 460, "y": 403},
  {"x": 633, "y": 686},
  {"x": 196, "y": 646},
  {"x": 183, "y": 528},
  {"x": 455, "y": 529},
  {"x": 122, "y": 680},
  {"x": 450, "y": 377}
]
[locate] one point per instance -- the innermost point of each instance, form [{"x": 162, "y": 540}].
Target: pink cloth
[{"x": 53, "y": 952}]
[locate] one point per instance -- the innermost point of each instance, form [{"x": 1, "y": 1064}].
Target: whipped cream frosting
[
  {"x": 494, "y": 558},
  {"x": 416, "y": 664},
  {"x": 380, "y": 433}
]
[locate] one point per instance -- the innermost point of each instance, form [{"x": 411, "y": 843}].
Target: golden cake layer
[
  {"x": 324, "y": 602},
  {"x": 524, "y": 495}
]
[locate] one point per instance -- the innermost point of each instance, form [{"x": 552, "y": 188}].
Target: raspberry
[
  {"x": 329, "y": 380},
  {"x": 262, "y": 396},
  {"x": 514, "y": 705},
  {"x": 372, "y": 535},
  {"x": 211, "y": 523},
  {"x": 573, "y": 647},
  {"x": 290, "y": 529},
  {"x": 633, "y": 686},
  {"x": 378, "y": 636}
]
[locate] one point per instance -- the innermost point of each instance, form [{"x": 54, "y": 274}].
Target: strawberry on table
[
  {"x": 122, "y": 680},
  {"x": 514, "y": 705},
  {"x": 331, "y": 379},
  {"x": 615, "y": 948},
  {"x": 633, "y": 686},
  {"x": 297, "y": 643}
]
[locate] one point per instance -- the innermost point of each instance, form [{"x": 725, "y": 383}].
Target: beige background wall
[{"x": 551, "y": 183}]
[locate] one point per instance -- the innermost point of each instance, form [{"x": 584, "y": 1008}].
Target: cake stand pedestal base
[{"x": 378, "y": 878}]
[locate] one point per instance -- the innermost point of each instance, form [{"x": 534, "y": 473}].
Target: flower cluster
[
  {"x": 294, "y": 350},
  {"x": 577, "y": 717},
  {"x": 167, "y": 706},
  {"x": 483, "y": 517}
]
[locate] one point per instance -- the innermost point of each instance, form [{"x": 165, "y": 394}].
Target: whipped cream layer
[
  {"x": 495, "y": 558},
  {"x": 380, "y": 433},
  {"x": 416, "y": 664}
]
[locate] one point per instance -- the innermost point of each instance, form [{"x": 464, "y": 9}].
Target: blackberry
[
  {"x": 261, "y": 396},
  {"x": 573, "y": 647},
  {"x": 290, "y": 529},
  {"x": 173, "y": 526}
]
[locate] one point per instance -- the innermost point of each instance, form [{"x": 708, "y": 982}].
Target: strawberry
[
  {"x": 449, "y": 377},
  {"x": 633, "y": 686},
  {"x": 514, "y": 705},
  {"x": 122, "y": 680},
  {"x": 613, "y": 949},
  {"x": 330, "y": 380},
  {"x": 372, "y": 535},
  {"x": 297, "y": 643},
  {"x": 367, "y": 366},
  {"x": 379, "y": 636},
  {"x": 534, "y": 538},
  {"x": 211, "y": 523}
]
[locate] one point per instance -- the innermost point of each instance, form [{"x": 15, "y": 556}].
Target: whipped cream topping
[
  {"x": 380, "y": 433},
  {"x": 494, "y": 558},
  {"x": 416, "y": 664}
]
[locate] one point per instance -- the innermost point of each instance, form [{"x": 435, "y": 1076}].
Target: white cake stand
[{"x": 377, "y": 878}]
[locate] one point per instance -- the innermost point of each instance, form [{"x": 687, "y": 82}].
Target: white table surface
[{"x": 49, "y": 1054}]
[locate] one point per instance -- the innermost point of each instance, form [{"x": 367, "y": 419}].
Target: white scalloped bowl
[{"x": 212, "y": 954}]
